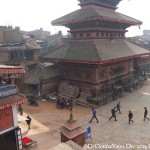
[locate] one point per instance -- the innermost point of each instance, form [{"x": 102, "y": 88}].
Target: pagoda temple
[{"x": 98, "y": 59}]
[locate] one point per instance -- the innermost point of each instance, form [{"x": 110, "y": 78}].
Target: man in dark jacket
[
  {"x": 145, "y": 114},
  {"x": 113, "y": 112},
  {"x": 118, "y": 107},
  {"x": 94, "y": 115},
  {"x": 28, "y": 121},
  {"x": 130, "y": 115}
]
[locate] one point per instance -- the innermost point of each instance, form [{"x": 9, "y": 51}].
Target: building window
[
  {"x": 117, "y": 70},
  {"x": 97, "y": 34},
  {"x": 81, "y": 35},
  {"x": 30, "y": 67},
  {"x": 13, "y": 55},
  {"x": 88, "y": 34},
  {"x": 16, "y": 55},
  {"x": 102, "y": 74},
  {"x": 77, "y": 72},
  {"x": 107, "y": 34},
  {"x": 74, "y": 35},
  {"x": 29, "y": 54}
]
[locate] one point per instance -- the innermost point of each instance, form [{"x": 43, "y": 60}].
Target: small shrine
[{"x": 72, "y": 130}]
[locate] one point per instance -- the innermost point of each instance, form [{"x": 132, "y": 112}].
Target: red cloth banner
[
  {"x": 11, "y": 71},
  {"x": 17, "y": 102}
]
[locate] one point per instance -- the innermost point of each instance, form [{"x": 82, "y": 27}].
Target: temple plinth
[{"x": 72, "y": 130}]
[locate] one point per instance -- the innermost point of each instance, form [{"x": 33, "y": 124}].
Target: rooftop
[
  {"x": 95, "y": 13},
  {"x": 94, "y": 51},
  {"x": 40, "y": 73}
]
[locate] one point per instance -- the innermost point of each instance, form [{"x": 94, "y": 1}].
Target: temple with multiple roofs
[{"x": 98, "y": 58}]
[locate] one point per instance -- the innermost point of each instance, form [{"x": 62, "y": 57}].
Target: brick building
[{"x": 15, "y": 50}]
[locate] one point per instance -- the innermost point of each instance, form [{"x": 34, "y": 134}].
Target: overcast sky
[{"x": 34, "y": 14}]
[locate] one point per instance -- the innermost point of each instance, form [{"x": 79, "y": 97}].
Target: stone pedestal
[{"x": 72, "y": 130}]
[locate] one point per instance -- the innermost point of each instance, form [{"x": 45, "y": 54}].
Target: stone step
[{"x": 83, "y": 102}]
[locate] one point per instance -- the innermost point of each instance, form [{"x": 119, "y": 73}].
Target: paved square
[{"x": 47, "y": 119}]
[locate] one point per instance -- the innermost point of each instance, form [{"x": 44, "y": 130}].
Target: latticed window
[
  {"x": 97, "y": 34},
  {"x": 102, "y": 74},
  {"x": 88, "y": 34},
  {"x": 107, "y": 34},
  {"x": 81, "y": 34},
  {"x": 77, "y": 72},
  {"x": 88, "y": 75},
  {"x": 74, "y": 35},
  {"x": 117, "y": 70}
]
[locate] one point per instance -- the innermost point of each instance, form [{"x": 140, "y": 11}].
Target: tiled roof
[
  {"x": 11, "y": 100},
  {"x": 95, "y": 50},
  {"x": 89, "y": 13},
  {"x": 32, "y": 45},
  {"x": 40, "y": 73},
  {"x": 19, "y": 46}
]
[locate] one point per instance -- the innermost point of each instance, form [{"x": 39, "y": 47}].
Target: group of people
[
  {"x": 117, "y": 108},
  {"x": 62, "y": 102}
]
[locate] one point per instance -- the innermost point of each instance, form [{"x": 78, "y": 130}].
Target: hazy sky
[{"x": 34, "y": 14}]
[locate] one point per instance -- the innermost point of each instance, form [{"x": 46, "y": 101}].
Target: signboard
[
  {"x": 8, "y": 90},
  {"x": 88, "y": 133}
]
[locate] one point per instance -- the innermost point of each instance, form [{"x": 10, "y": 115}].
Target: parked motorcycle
[
  {"x": 32, "y": 101},
  {"x": 61, "y": 103}
]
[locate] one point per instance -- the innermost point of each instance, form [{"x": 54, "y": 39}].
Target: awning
[
  {"x": 4, "y": 69},
  {"x": 12, "y": 71},
  {"x": 12, "y": 100}
]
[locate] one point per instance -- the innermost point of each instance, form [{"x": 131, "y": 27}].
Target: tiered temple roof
[
  {"x": 94, "y": 51},
  {"x": 98, "y": 34},
  {"x": 95, "y": 13}
]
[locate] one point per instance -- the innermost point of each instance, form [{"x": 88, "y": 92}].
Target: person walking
[
  {"x": 94, "y": 115},
  {"x": 28, "y": 122},
  {"x": 130, "y": 115},
  {"x": 145, "y": 113},
  {"x": 118, "y": 107},
  {"x": 113, "y": 112},
  {"x": 20, "y": 109}
]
